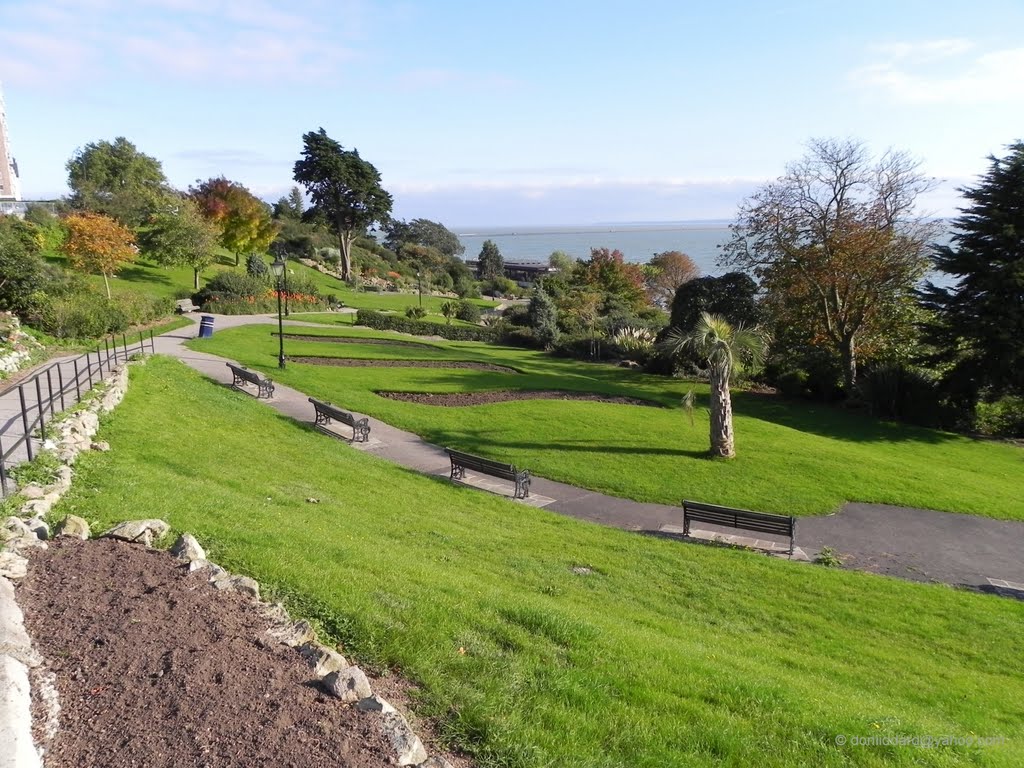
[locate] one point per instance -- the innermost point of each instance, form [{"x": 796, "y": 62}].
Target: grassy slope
[
  {"x": 665, "y": 655},
  {"x": 794, "y": 457},
  {"x": 369, "y": 300}
]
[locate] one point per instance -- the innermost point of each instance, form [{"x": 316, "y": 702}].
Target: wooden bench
[
  {"x": 186, "y": 305},
  {"x": 326, "y": 413},
  {"x": 243, "y": 376},
  {"x": 463, "y": 461},
  {"x": 760, "y": 522}
]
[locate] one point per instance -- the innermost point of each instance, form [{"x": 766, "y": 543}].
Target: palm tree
[{"x": 728, "y": 350}]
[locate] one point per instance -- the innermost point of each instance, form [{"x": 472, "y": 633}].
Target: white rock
[
  {"x": 295, "y": 634},
  {"x": 143, "y": 531},
  {"x": 242, "y": 584},
  {"x": 30, "y": 492},
  {"x": 349, "y": 684},
  {"x": 39, "y": 527},
  {"x": 407, "y": 745},
  {"x": 13, "y": 565},
  {"x": 322, "y": 660},
  {"x": 187, "y": 548},
  {"x": 100, "y": 445},
  {"x": 36, "y": 507},
  {"x": 74, "y": 526},
  {"x": 435, "y": 762},
  {"x": 374, "y": 704},
  {"x": 15, "y": 716}
]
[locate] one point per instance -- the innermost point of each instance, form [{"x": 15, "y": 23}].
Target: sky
[{"x": 516, "y": 113}]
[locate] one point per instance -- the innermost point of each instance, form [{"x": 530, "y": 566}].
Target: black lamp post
[
  {"x": 284, "y": 274},
  {"x": 278, "y": 269},
  {"x": 419, "y": 283}
]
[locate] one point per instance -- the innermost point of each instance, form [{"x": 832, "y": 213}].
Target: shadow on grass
[
  {"x": 481, "y": 443},
  {"x": 829, "y": 421}
]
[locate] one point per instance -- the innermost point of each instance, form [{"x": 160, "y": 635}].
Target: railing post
[
  {"x": 42, "y": 419},
  {"x": 142, "y": 344},
  {"x": 49, "y": 389},
  {"x": 124, "y": 340},
  {"x": 152, "y": 344},
  {"x": 78, "y": 384},
  {"x": 106, "y": 354},
  {"x": 24, "y": 420},
  {"x": 3, "y": 470},
  {"x": 60, "y": 383},
  {"x": 88, "y": 368}
]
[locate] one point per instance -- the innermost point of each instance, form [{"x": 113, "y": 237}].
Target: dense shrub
[
  {"x": 383, "y": 322},
  {"x": 415, "y": 312},
  {"x": 543, "y": 316},
  {"x": 89, "y": 315},
  {"x": 1002, "y": 418},
  {"x": 467, "y": 311},
  {"x": 230, "y": 284},
  {"x": 902, "y": 393},
  {"x": 255, "y": 266},
  {"x": 21, "y": 267},
  {"x": 583, "y": 347}
]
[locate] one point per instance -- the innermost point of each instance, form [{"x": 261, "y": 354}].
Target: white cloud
[
  {"x": 943, "y": 72},
  {"x": 204, "y": 40}
]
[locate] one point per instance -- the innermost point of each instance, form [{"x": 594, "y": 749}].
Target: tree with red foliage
[{"x": 243, "y": 219}]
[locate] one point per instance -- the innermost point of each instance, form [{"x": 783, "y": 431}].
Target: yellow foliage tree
[{"x": 98, "y": 244}]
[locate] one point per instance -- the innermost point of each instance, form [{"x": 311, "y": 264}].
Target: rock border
[{"x": 20, "y": 664}]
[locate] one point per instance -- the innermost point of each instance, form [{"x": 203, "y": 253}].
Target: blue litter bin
[{"x": 206, "y": 327}]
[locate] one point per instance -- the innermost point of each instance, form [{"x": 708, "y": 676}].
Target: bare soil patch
[
  {"x": 455, "y": 400},
  {"x": 349, "y": 362},
  {"x": 155, "y": 667}
]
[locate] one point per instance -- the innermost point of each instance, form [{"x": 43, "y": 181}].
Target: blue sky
[{"x": 542, "y": 113}]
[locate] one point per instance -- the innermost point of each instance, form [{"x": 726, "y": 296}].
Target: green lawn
[
  {"x": 395, "y": 302},
  {"x": 147, "y": 277},
  {"x": 665, "y": 654},
  {"x": 794, "y": 457}
]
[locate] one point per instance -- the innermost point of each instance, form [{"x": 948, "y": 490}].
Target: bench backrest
[
  {"x": 333, "y": 412},
  {"x": 480, "y": 464},
  {"x": 739, "y": 518},
  {"x": 245, "y": 373}
]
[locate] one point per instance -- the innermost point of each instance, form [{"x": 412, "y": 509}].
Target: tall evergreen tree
[
  {"x": 979, "y": 326},
  {"x": 490, "y": 264}
]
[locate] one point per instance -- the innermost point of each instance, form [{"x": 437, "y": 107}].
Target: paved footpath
[{"x": 915, "y": 544}]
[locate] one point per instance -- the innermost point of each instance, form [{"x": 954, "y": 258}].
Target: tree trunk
[
  {"x": 106, "y": 282},
  {"x": 722, "y": 445},
  {"x": 195, "y": 279},
  {"x": 237, "y": 259},
  {"x": 848, "y": 352},
  {"x": 346, "y": 255}
]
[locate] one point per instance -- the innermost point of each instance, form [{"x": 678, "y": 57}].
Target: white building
[{"x": 10, "y": 189}]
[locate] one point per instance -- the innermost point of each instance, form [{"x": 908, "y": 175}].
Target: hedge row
[{"x": 382, "y": 322}]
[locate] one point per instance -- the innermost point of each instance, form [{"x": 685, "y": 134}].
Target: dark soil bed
[
  {"x": 349, "y": 362},
  {"x": 156, "y": 668},
  {"x": 355, "y": 340},
  {"x": 483, "y": 398}
]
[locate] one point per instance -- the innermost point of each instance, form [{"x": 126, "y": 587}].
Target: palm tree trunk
[{"x": 722, "y": 444}]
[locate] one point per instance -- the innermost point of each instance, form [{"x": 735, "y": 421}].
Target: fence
[{"x": 50, "y": 391}]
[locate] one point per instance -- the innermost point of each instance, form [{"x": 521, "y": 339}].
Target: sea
[{"x": 700, "y": 240}]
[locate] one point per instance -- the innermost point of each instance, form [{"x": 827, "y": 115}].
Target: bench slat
[
  {"x": 463, "y": 461},
  {"x": 242, "y": 375},
  {"x": 326, "y": 412},
  {"x": 761, "y": 522}
]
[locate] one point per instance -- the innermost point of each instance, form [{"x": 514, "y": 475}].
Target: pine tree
[
  {"x": 979, "y": 321},
  {"x": 490, "y": 264},
  {"x": 543, "y": 316}
]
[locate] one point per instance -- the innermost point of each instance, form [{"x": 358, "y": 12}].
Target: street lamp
[
  {"x": 277, "y": 268},
  {"x": 419, "y": 283},
  {"x": 284, "y": 274}
]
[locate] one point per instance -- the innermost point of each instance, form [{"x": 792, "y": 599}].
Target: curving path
[{"x": 922, "y": 545}]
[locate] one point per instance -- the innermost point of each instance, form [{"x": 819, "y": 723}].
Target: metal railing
[{"x": 50, "y": 391}]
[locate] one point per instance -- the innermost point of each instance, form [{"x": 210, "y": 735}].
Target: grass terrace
[
  {"x": 650, "y": 654},
  {"x": 794, "y": 457}
]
